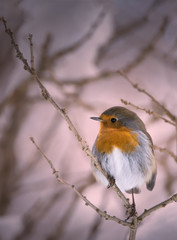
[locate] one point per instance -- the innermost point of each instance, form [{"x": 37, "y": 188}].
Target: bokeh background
[{"x": 75, "y": 43}]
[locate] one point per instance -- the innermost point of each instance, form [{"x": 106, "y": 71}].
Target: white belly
[{"x": 126, "y": 173}]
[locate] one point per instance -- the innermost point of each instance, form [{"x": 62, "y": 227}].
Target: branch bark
[
  {"x": 158, "y": 206},
  {"x": 73, "y": 188}
]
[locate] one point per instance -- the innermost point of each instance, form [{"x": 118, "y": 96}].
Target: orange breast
[{"x": 122, "y": 138}]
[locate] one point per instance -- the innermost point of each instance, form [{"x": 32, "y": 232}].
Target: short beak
[{"x": 97, "y": 119}]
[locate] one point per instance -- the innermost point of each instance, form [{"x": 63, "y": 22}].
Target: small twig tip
[{"x": 32, "y": 139}]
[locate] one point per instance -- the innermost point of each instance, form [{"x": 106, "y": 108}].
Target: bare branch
[
  {"x": 73, "y": 188},
  {"x": 133, "y": 228},
  {"x": 166, "y": 151},
  {"x": 135, "y": 85},
  {"x": 158, "y": 206},
  {"x": 148, "y": 111},
  {"x": 19, "y": 54},
  {"x": 31, "y": 50}
]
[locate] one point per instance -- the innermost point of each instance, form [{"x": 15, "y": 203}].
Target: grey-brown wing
[{"x": 151, "y": 183}]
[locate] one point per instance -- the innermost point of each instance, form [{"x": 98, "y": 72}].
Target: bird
[{"x": 124, "y": 150}]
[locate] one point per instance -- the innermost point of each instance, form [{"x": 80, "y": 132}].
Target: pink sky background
[{"x": 68, "y": 21}]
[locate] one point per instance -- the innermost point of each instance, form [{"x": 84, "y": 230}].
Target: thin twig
[
  {"x": 19, "y": 54},
  {"x": 87, "y": 202},
  {"x": 148, "y": 111},
  {"x": 166, "y": 151},
  {"x": 158, "y": 206},
  {"x": 135, "y": 85},
  {"x": 31, "y": 50}
]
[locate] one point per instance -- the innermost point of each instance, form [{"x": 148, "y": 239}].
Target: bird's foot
[
  {"x": 111, "y": 181},
  {"x": 131, "y": 211}
]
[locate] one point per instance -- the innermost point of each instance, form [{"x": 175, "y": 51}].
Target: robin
[{"x": 125, "y": 151}]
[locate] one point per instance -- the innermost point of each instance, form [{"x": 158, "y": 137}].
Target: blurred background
[{"x": 78, "y": 47}]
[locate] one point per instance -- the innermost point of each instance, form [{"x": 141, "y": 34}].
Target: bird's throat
[{"x": 121, "y": 138}]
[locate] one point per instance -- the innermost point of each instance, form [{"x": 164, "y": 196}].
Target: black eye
[{"x": 113, "y": 120}]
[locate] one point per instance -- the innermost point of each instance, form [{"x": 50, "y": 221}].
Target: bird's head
[{"x": 117, "y": 117}]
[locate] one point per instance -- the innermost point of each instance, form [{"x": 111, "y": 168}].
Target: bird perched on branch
[{"x": 124, "y": 149}]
